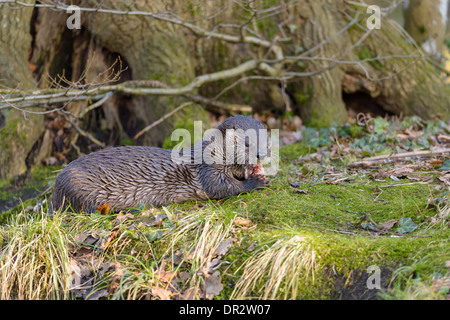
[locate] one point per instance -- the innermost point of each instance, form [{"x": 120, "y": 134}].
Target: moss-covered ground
[
  {"x": 25, "y": 191},
  {"x": 323, "y": 230}
]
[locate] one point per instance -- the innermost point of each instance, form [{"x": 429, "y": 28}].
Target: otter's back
[{"x": 122, "y": 177}]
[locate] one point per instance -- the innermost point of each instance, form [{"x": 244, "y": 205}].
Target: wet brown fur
[{"x": 125, "y": 177}]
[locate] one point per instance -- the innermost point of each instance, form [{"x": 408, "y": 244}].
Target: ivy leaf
[
  {"x": 368, "y": 226},
  {"x": 445, "y": 166},
  {"x": 406, "y": 225},
  {"x": 380, "y": 125}
]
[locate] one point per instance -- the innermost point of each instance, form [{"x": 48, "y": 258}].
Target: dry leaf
[
  {"x": 300, "y": 191},
  {"x": 388, "y": 224},
  {"x": 213, "y": 285},
  {"x": 98, "y": 294},
  {"x": 402, "y": 172},
  {"x": 189, "y": 294},
  {"x": 94, "y": 240},
  {"x": 84, "y": 272},
  {"x": 441, "y": 283},
  {"x": 402, "y": 136},
  {"x": 155, "y": 221},
  {"x": 123, "y": 217},
  {"x": 162, "y": 293},
  {"x": 184, "y": 275},
  {"x": 209, "y": 268},
  {"x": 166, "y": 277},
  {"x": 31, "y": 66},
  {"x": 244, "y": 222},
  {"x": 224, "y": 246},
  {"x": 445, "y": 179},
  {"x": 382, "y": 173}
]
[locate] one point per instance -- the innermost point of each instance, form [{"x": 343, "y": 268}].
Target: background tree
[
  {"x": 426, "y": 22},
  {"x": 132, "y": 63}
]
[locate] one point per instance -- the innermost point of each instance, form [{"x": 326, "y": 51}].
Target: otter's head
[{"x": 246, "y": 144}]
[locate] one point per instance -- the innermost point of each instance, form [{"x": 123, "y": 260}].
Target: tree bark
[
  {"x": 19, "y": 132},
  {"x": 322, "y": 93},
  {"x": 406, "y": 85},
  {"x": 154, "y": 50},
  {"x": 426, "y": 22}
]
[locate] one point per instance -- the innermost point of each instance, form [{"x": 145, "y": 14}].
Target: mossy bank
[{"x": 333, "y": 232}]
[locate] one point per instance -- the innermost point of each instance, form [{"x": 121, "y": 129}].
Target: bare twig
[
  {"x": 86, "y": 134},
  {"x": 161, "y": 119},
  {"x": 97, "y": 104}
]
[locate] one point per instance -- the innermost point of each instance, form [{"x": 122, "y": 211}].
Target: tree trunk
[
  {"x": 19, "y": 132},
  {"x": 320, "y": 96},
  {"x": 407, "y": 85},
  {"x": 154, "y": 50},
  {"x": 426, "y": 22}
]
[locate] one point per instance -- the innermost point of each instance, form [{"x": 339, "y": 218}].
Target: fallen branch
[
  {"x": 50, "y": 96},
  {"x": 389, "y": 158}
]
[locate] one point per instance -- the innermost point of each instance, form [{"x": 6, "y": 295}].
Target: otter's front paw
[{"x": 256, "y": 181}]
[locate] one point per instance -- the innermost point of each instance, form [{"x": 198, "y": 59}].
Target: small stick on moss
[
  {"x": 338, "y": 223},
  {"x": 398, "y": 157}
]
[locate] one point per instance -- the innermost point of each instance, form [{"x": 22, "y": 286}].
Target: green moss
[
  {"x": 365, "y": 52},
  {"x": 422, "y": 29},
  {"x": 158, "y": 76},
  {"x": 447, "y": 42},
  {"x": 42, "y": 174},
  {"x": 332, "y": 218},
  {"x": 301, "y": 98},
  {"x": 6, "y": 134},
  {"x": 321, "y": 116},
  {"x": 269, "y": 27},
  {"x": 294, "y": 151},
  {"x": 24, "y": 190}
]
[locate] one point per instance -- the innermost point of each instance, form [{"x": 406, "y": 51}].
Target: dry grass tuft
[
  {"x": 276, "y": 271},
  {"x": 195, "y": 242},
  {"x": 34, "y": 261}
]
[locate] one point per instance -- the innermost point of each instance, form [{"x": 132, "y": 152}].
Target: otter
[{"x": 129, "y": 176}]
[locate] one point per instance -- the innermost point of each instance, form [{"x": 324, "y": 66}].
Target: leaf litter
[
  {"x": 389, "y": 151},
  {"x": 89, "y": 263}
]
